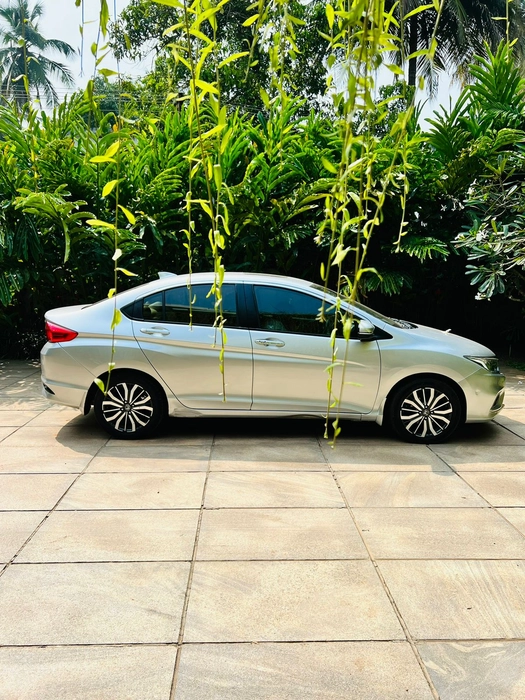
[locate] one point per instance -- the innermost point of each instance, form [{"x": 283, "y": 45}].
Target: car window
[
  {"x": 288, "y": 311},
  {"x": 177, "y": 305},
  {"x": 152, "y": 307}
]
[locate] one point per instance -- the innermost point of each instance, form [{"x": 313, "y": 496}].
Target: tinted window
[
  {"x": 177, "y": 305},
  {"x": 152, "y": 307},
  {"x": 292, "y": 312}
]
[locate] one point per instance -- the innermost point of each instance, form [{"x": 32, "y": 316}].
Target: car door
[
  {"x": 186, "y": 356},
  {"x": 292, "y": 351}
]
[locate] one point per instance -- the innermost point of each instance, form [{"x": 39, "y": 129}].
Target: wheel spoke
[
  {"x": 424, "y": 412},
  {"x": 128, "y": 407}
]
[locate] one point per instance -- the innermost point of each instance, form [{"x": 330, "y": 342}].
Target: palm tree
[
  {"x": 465, "y": 26},
  {"x": 24, "y": 67}
]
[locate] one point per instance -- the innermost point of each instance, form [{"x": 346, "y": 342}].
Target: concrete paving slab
[
  {"x": 15, "y": 528},
  {"x": 6, "y": 431},
  {"x": 55, "y": 458},
  {"x": 331, "y": 671},
  {"x": 499, "y": 489},
  {"x": 87, "y": 673},
  {"x": 272, "y": 490},
  {"x": 457, "y": 600},
  {"x": 30, "y": 436},
  {"x": 17, "y": 418},
  {"x": 407, "y": 489},
  {"x": 482, "y": 458},
  {"x": 476, "y": 670},
  {"x": 279, "y": 533},
  {"x": 144, "y": 458},
  {"x": 485, "y": 434},
  {"x": 515, "y": 516},
  {"x": 267, "y": 454},
  {"x": 288, "y": 601},
  {"x": 362, "y": 457},
  {"x": 439, "y": 533},
  {"x": 10, "y": 403},
  {"x": 86, "y": 536},
  {"x": 116, "y": 603},
  {"x": 32, "y": 491},
  {"x": 135, "y": 491}
]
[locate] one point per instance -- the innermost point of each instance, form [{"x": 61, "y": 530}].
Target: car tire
[
  {"x": 425, "y": 411},
  {"x": 132, "y": 408}
]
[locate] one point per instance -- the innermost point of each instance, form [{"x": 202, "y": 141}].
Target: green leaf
[
  {"x": 329, "y": 166},
  {"x": 117, "y": 318},
  {"x": 330, "y": 15},
  {"x": 107, "y": 73},
  {"x": 100, "y": 385},
  {"x": 233, "y": 57},
  {"x": 102, "y": 159},
  {"x": 112, "y": 149},
  {"x": 126, "y": 272}
]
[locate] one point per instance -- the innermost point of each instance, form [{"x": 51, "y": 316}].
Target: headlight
[{"x": 491, "y": 364}]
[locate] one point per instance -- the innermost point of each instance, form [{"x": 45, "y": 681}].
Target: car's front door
[
  {"x": 292, "y": 352},
  {"x": 188, "y": 357}
]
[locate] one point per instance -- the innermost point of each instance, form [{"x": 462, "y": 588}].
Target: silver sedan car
[{"x": 420, "y": 382}]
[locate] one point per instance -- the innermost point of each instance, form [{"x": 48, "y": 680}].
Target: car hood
[{"x": 455, "y": 343}]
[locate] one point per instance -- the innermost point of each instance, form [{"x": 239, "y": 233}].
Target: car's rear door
[
  {"x": 188, "y": 356},
  {"x": 292, "y": 351}
]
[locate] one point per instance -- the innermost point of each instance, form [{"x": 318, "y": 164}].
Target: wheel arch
[
  {"x": 424, "y": 376},
  {"x": 115, "y": 374}
]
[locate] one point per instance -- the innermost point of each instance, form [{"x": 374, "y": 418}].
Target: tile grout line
[
  {"x": 386, "y": 589},
  {"x": 49, "y": 512},
  {"x": 185, "y": 605},
  {"x": 489, "y": 505}
]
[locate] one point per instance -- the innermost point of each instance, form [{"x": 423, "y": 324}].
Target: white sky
[{"x": 62, "y": 19}]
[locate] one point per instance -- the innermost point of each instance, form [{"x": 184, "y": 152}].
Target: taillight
[{"x": 59, "y": 334}]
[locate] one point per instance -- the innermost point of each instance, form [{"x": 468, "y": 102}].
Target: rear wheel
[
  {"x": 132, "y": 408},
  {"x": 425, "y": 411}
]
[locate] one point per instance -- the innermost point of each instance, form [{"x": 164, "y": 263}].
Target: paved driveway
[{"x": 238, "y": 560}]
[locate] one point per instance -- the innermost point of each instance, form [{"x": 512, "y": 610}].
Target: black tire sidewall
[
  {"x": 159, "y": 407},
  {"x": 394, "y": 406}
]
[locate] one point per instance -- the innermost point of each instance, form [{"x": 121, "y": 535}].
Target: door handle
[
  {"x": 271, "y": 341},
  {"x": 155, "y": 330}
]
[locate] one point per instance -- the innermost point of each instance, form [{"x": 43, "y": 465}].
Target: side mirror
[{"x": 365, "y": 330}]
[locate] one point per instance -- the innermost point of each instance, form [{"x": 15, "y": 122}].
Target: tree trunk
[{"x": 412, "y": 48}]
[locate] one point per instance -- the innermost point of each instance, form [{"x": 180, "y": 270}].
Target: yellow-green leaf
[
  {"x": 206, "y": 87},
  {"x": 102, "y": 159},
  {"x": 117, "y": 318},
  {"x": 117, "y": 254},
  {"x": 106, "y": 72},
  {"x": 329, "y": 166},
  {"x": 126, "y": 272},
  {"x": 251, "y": 20},
  {"x": 330, "y": 15},
  {"x": 100, "y": 385},
  {"x": 112, "y": 149},
  {"x": 99, "y": 223},
  {"x": 109, "y": 187},
  {"x": 233, "y": 57},
  {"x": 129, "y": 216},
  {"x": 111, "y": 292}
]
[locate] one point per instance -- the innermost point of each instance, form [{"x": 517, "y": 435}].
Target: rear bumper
[{"x": 64, "y": 381}]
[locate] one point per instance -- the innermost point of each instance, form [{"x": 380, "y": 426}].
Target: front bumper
[{"x": 484, "y": 393}]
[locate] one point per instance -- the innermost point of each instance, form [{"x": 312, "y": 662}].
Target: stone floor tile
[
  {"x": 283, "y": 533},
  {"x": 482, "y": 458},
  {"x": 32, "y": 491},
  {"x": 6, "y": 431},
  {"x": 515, "y": 426},
  {"x": 77, "y": 438},
  {"x": 131, "y": 491},
  {"x": 17, "y": 418},
  {"x": 331, "y": 671},
  {"x": 476, "y": 670},
  {"x": 499, "y": 489},
  {"x": 288, "y": 601},
  {"x": 86, "y": 536},
  {"x": 87, "y": 673},
  {"x": 272, "y": 490},
  {"x": 485, "y": 434},
  {"x": 61, "y": 416},
  {"x": 459, "y": 599},
  {"x": 15, "y": 528},
  {"x": 10, "y": 403},
  {"x": 515, "y": 516},
  {"x": 175, "y": 436},
  {"x": 144, "y": 458},
  {"x": 407, "y": 489},
  {"x": 358, "y": 456},
  {"x": 116, "y": 603},
  {"x": 267, "y": 454},
  {"x": 55, "y": 458},
  {"x": 439, "y": 533}
]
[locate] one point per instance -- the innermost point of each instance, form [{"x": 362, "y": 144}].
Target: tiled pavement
[{"x": 238, "y": 560}]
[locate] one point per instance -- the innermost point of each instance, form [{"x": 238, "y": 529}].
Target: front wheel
[
  {"x": 425, "y": 411},
  {"x": 132, "y": 407}
]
